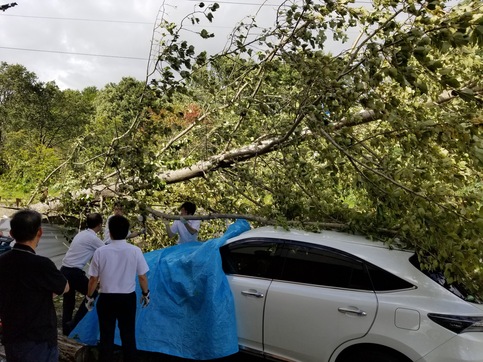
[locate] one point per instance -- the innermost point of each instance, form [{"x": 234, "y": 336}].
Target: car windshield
[{"x": 455, "y": 288}]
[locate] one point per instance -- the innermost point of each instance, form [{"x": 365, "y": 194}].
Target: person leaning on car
[
  {"x": 80, "y": 252},
  {"x": 115, "y": 267},
  {"x": 27, "y": 284}
]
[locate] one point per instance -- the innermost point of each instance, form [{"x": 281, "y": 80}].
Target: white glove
[
  {"x": 145, "y": 299},
  {"x": 90, "y": 303}
]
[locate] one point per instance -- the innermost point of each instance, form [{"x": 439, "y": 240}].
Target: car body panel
[
  {"x": 303, "y": 321},
  {"x": 247, "y": 303}
]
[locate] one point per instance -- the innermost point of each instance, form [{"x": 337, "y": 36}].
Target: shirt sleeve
[
  {"x": 97, "y": 243},
  {"x": 195, "y": 224},
  {"x": 94, "y": 267},
  {"x": 175, "y": 226}
]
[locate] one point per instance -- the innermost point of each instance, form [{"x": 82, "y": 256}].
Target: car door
[
  {"x": 250, "y": 266},
  {"x": 323, "y": 299}
]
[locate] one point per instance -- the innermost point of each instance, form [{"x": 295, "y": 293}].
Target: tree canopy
[{"x": 382, "y": 137}]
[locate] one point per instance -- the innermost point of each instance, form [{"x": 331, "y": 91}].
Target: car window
[
  {"x": 252, "y": 257},
  {"x": 456, "y": 288},
  {"x": 382, "y": 280},
  {"x": 305, "y": 263}
]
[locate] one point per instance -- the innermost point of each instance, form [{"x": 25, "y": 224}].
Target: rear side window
[
  {"x": 252, "y": 257},
  {"x": 385, "y": 281},
  {"x": 457, "y": 289},
  {"x": 322, "y": 266}
]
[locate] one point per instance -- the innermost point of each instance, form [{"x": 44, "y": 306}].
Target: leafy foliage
[{"x": 385, "y": 136}]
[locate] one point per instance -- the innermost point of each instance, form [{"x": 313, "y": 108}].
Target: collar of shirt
[
  {"x": 119, "y": 241},
  {"x": 23, "y": 247}
]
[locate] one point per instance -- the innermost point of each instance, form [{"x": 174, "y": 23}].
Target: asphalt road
[{"x": 53, "y": 244}]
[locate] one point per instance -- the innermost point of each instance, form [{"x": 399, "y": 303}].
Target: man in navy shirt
[{"x": 27, "y": 285}]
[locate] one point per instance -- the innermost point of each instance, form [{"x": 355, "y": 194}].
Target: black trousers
[
  {"x": 78, "y": 282},
  {"x": 30, "y": 351},
  {"x": 112, "y": 307}
]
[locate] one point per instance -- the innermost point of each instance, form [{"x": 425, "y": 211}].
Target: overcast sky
[{"x": 81, "y": 43}]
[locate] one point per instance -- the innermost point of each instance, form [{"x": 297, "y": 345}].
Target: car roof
[
  {"x": 375, "y": 252},
  {"x": 325, "y": 237}
]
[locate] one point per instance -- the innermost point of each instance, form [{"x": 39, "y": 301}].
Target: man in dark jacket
[{"x": 27, "y": 284}]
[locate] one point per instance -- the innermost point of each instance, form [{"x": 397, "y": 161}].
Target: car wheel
[{"x": 372, "y": 355}]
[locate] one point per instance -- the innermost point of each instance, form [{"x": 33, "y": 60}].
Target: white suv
[{"x": 338, "y": 297}]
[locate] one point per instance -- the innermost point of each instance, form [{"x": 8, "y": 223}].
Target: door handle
[
  {"x": 352, "y": 310},
  {"x": 252, "y": 292}
]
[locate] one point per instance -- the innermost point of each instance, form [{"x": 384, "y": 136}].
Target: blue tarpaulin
[{"x": 192, "y": 312}]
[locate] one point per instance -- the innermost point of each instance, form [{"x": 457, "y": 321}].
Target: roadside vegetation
[{"x": 383, "y": 138}]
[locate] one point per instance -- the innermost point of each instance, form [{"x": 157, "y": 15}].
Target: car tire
[{"x": 372, "y": 355}]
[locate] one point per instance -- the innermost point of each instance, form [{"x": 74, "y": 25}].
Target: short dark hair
[
  {"x": 118, "y": 204},
  {"x": 189, "y": 207},
  {"x": 24, "y": 225},
  {"x": 118, "y": 227},
  {"x": 93, "y": 220}
]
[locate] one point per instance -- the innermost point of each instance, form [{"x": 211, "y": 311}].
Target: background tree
[{"x": 41, "y": 121}]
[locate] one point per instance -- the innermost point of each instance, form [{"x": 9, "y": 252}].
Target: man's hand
[
  {"x": 145, "y": 299},
  {"x": 183, "y": 220},
  {"x": 90, "y": 303}
]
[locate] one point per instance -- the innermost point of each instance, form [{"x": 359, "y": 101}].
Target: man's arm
[
  {"x": 92, "y": 286},
  {"x": 67, "y": 287},
  {"x": 192, "y": 228},
  {"x": 135, "y": 233},
  {"x": 168, "y": 229},
  {"x": 188, "y": 227},
  {"x": 143, "y": 282}
]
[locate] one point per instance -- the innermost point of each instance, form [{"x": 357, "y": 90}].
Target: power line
[
  {"x": 121, "y": 22},
  {"x": 111, "y": 21},
  {"x": 72, "y": 53},
  {"x": 80, "y": 19},
  {"x": 264, "y": 4},
  {"x": 236, "y": 3},
  {"x": 144, "y": 22}
]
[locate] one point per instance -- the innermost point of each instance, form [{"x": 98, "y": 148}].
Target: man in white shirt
[
  {"x": 115, "y": 267},
  {"x": 75, "y": 260},
  {"x": 187, "y": 230}
]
